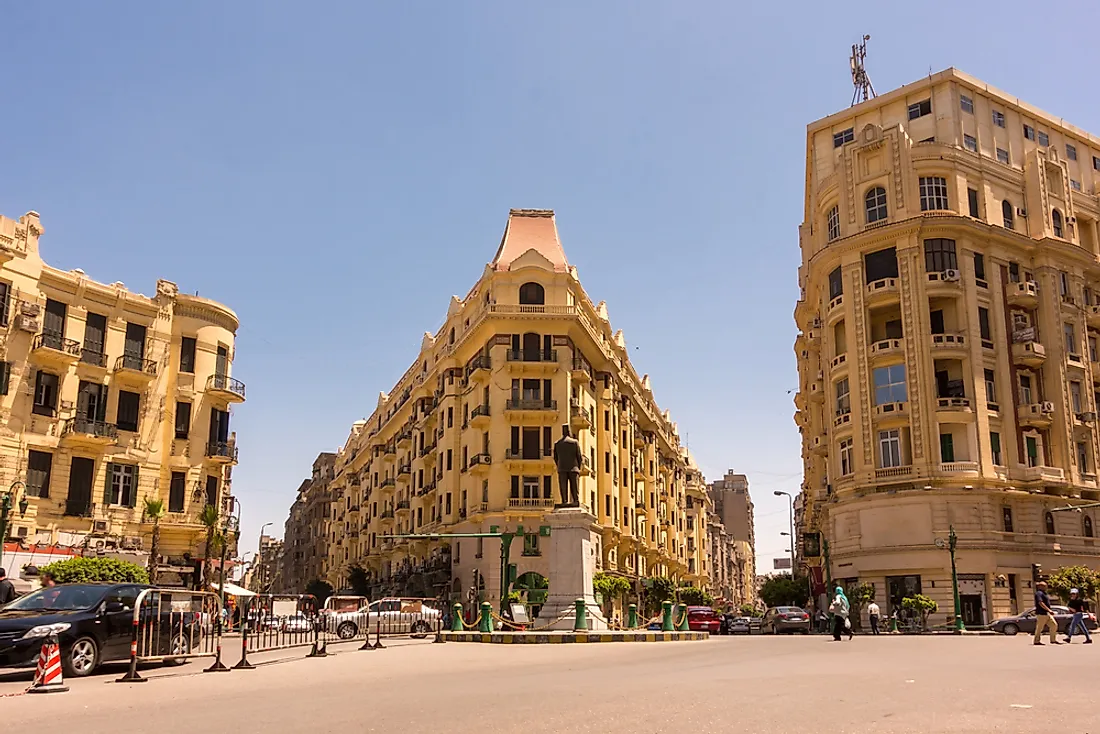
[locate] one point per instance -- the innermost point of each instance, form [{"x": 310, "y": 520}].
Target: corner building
[
  {"x": 108, "y": 397},
  {"x": 947, "y": 353},
  {"x": 463, "y": 442}
]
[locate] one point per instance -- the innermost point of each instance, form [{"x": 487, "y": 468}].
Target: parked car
[
  {"x": 297, "y": 622},
  {"x": 703, "y": 619},
  {"x": 740, "y": 626},
  {"x": 1025, "y": 622},
  {"x": 785, "y": 619},
  {"x": 93, "y": 624},
  {"x": 393, "y": 616}
]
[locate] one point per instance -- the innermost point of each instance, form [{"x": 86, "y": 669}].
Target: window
[
  {"x": 966, "y": 104},
  {"x": 45, "y": 394},
  {"x": 5, "y": 377},
  {"x": 1056, "y": 222},
  {"x": 890, "y": 384},
  {"x": 1087, "y": 526},
  {"x": 990, "y": 386},
  {"x": 1008, "y": 213},
  {"x": 836, "y": 284},
  {"x": 1006, "y": 519},
  {"x": 874, "y": 202},
  {"x": 1002, "y": 156},
  {"x": 1071, "y": 152},
  {"x": 1075, "y": 396},
  {"x": 183, "y": 419},
  {"x": 933, "y": 193},
  {"x": 847, "y": 460},
  {"x": 1070, "y": 335},
  {"x": 95, "y": 337},
  {"x": 1075, "y": 184},
  {"x": 1094, "y": 353},
  {"x": 1025, "y": 390},
  {"x": 1044, "y": 139},
  {"x": 889, "y": 444},
  {"x": 971, "y": 143},
  {"x": 121, "y": 485},
  {"x": 920, "y": 109},
  {"x": 5, "y": 302},
  {"x": 1031, "y": 448},
  {"x": 212, "y": 490},
  {"x": 998, "y": 118},
  {"x": 833, "y": 223},
  {"x": 972, "y": 202},
  {"x": 939, "y": 255},
  {"x": 177, "y": 491},
  {"x": 129, "y": 405},
  {"x": 39, "y": 465},
  {"x": 1063, "y": 283},
  {"x": 1029, "y": 132},
  {"x": 844, "y": 136},
  {"x": 1083, "y": 457},
  {"x": 979, "y": 266},
  {"x": 532, "y": 294},
  {"x": 1096, "y": 163},
  {"x": 995, "y": 448},
  {"x": 1048, "y": 523},
  {"x": 843, "y": 398},
  {"x": 881, "y": 264},
  {"x": 187, "y": 354},
  {"x": 947, "y": 448},
  {"x": 936, "y": 321}
]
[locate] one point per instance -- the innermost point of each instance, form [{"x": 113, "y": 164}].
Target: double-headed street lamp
[
  {"x": 5, "y": 510},
  {"x": 952, "y": 541},
  {"x": 790, "y": 501},
  {"x": 231, "y": 524}
]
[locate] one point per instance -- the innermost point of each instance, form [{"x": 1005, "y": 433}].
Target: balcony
[
  {"x": 582, "y": 371},
  {"x": 531, "y": 405},
  {"x": 579, "y": 417},
  {"x": 479, "y": 508},
  {"x": 887, "y": 349},
  {"x": 536, "y": 503},
  {"x": 953, "y": 410},
  {"x": 93, "y": 359},
  {"x": 894, "y": 473},
  {"x": 136, "y": 369},
  {"x": 819, "y": 445},
  {"x": 404, "y": 470},
  {"x": 386, "y": 515},
  {"x": 428, "y": 454},
  {"x": 479, "y": 463},
  {"x": 533, "y": 361},
  {"x": 529, "y": 460},
  {"x": 1036, "y": 415},
  {"x": 55, "y": 349},
  {"x": 1029, "y": 353},
  {"x": 403, "y": 506},
  {"x": 885, "y": 289},
  {"x": 223, "y": 452},
  {"x": 1023, "y": 295},
  {"x": 225, "y": 387},
  {"x": 886, "y": 411},
  {"x": 480, "y": 367},
  {"x": 1043, "y": 474},
  {"x": 404, "y": 438},
  {"x": 88, "y": 433},
  {"x": 1092, "y": 315},
  {"x": 479, "y": 416},
  {"x": 960, "y": 468},
  {"x": 838, "y": 362},
  {"x": 948, "y": 343},
  {"x": 945, "y": 281},
  {"x": 843, "y": 420},
  {"x": 835, "y": 310}
]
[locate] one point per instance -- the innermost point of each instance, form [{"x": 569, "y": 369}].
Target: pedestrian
[
  {"x": 1044, "y": 615},
  {"x": 873, "y": 615},
  {"x": 47, "y": 580},
  {"x": 840, "y": 609},
  {"x": 7, "y": 588},
  {"x": 1079, "y": 607}
]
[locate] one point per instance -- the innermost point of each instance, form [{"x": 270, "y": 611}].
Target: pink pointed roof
[{"x": 530, "y": 229}]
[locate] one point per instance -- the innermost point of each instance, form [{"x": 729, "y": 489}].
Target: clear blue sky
[{"x": 334, "y": 171}]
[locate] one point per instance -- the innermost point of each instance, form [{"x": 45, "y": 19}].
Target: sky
[{"x": 335, "y": 171}]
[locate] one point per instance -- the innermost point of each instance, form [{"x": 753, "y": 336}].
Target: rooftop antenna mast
[{"x": 864, "y": 90}]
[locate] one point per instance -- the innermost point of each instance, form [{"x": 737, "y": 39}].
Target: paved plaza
[{"x": 881, "y": 685}]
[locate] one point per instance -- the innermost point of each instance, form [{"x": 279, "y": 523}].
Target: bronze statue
[{"x": 567, "y": 457}]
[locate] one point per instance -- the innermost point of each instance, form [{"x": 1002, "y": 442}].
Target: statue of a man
[{"x": 567, "y": 457}]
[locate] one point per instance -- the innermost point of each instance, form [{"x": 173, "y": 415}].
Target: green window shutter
[
  {"x": 5, "y": 377},
  {"x": 133, "y": 490},
  {"x": 1032, "y": 448},
  {"x": 995, "y": 442},
  {"x": 107, "y": 485},
  {"x": 947, "y": 448}
]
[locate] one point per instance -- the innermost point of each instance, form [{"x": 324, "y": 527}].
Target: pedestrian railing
[
  {"x": 174, "y": 625},
  {"x": 279, "y": 622}
]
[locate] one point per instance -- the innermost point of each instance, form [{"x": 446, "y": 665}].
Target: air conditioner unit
[
  {"x": 1047, "y": 407},
  {"x": 27, "y": 308},
  {"x": 99, "y": 526},
  {"x": 99, "y": 545},
  {"x": 27, "y": 323},
  {"x": 1071, "y": 220},
  {"x": 951, "y": 275},
  {"x": 1021, "y": 212},
  {"x": 21, "y": 532},
  {"x": 132, "y": 542}
]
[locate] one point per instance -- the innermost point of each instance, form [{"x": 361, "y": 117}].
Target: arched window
[
  {"x": 532, "y": 294},
  {"x": 1056, "y": 222},
  {"x": 1009, "y": 214},
  {"x": 1088, "y": 526},
  {"x": 833, "y": 223},
  {"x": 532, "y": 347},
  {"x": 875, "y": 203},
  {"x": 1049, "y": 521},
  {"x": 451, "y": 337}
]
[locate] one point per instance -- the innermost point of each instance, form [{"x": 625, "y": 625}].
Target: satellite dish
[{"x": 939, "y": 542}]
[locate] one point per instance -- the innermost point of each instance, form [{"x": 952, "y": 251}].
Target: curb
[{"x": 543, "y": 638}]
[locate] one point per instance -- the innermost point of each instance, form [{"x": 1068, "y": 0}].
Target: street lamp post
[
  {"x": 5, "y": 511},
  {"x": 230, "y": 526},
  {"x": 952, "y": 540},
  {"x": 790, "y": 503},
  {"x": 260, "y": 557}
]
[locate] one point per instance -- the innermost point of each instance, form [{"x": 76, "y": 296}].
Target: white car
[
  {"x": 297, "y": 622},
  {"x": 391, "y": 616}
]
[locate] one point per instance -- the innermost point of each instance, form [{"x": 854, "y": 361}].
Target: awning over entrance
[{"x": 233, "y": 590}]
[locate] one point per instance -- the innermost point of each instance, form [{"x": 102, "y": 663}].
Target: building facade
[
  {"x": 948, "y": 339},
  {"x": 108, "y": 397},
  {"x": 463, "y": 442},
  {"x": 733, "y": 508},
  {"x": 266, "y": 574},
  {"x": 305, "y": 537}
]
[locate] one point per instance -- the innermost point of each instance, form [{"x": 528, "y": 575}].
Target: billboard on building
[{"x": 781, "y": 564}]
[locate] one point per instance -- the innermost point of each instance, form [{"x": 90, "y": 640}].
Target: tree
[
  {"x": 320, "y": 590},
  {"x": 658, "y": 589},
  {"x": 357, "y": 580},
  {"x": 920, "y": 605},
  {"x": 748, "y": 610},
  {"x": 1081, "y": 578},
  {"x": 859, "y": 597},
  {"x": 609, "y": 587},
  {"x": 90, "y": 570},
  {"x": 783, "y": 590},
  {"x": 695, "y": 597},
  {"x": 209, "y": 518},
  {"x": 154, "y": 510}
]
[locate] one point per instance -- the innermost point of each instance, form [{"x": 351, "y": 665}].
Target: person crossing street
[
  {"x": 1044, "y": 616},
  {"x": 1079, "y": 607}
]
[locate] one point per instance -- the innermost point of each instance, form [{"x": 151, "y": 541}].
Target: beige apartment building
[
  {"x": 733, "y": 509},
  {"x": 948, "y": 353},
  {"x": 305, "y": 537},
  {"x": 108, "y": 397},
  {"x": 463, "y": 441}
]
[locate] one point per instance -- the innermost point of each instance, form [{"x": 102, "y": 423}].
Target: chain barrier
[{"x": 509, "y": 623}]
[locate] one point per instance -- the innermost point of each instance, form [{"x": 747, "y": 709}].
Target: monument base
[{"x": 572, "y": 565}]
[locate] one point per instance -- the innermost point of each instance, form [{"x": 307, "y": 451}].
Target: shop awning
[{"x": 233, "y": 590}]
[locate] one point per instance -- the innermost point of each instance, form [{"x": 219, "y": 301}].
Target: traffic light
[{"x": 1036, "y": 572}]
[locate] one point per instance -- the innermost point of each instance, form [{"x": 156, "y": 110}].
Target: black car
[{"x": 93, "y": 622}]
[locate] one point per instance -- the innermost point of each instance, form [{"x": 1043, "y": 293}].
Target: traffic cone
[{"x": 48, "y": 677}]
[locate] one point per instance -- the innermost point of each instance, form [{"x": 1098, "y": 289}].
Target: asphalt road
[{"x": 884, "y": 685}]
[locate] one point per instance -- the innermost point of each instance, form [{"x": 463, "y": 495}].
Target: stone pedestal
[{"x": 572, "y": 564}]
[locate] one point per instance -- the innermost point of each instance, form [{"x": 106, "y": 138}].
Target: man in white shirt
[{"x": 873, "y": 614}]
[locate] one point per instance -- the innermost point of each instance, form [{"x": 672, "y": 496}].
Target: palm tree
[
  {"x": 209, "y": 518},
  {"x": 154, "y": 510}
]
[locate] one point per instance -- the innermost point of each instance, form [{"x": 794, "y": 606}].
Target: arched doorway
[{"x": 532, "y": 589}]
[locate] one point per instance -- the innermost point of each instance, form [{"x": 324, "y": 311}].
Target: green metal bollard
[
  {"x": 486, "y": 617},
  {"x": 580, "y": 624},
  {"x": 632, "y": 616},
  {"x": 456, "y": 618},
  {"x": 666, "y": 616},
  {"x": 893, "y": 624},
  {"x": 683, "y": 626}
]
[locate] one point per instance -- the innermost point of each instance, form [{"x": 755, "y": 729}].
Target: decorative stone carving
[
  {"x": 867, "y": 395},
  {"x": 912, "y": 369}
]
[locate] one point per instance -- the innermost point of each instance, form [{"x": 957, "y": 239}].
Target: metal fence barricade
[
  {"x": 405, "y": 616},
  {"x": 279, "y": 622},
  {"x": 173, "y": 626}
]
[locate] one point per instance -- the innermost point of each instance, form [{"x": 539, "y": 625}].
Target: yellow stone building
[
  {"x": 108, "y": 397},
  {"x": 463, "y": 441},
  {"x": 948, "y": 352}
]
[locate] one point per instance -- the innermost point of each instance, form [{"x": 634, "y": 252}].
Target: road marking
[{"x": 1021, "y": 706}]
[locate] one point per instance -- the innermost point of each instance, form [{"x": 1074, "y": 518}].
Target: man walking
[
  {"x": 7, "y": 588},
  {"x": 1079, "y": 607},
  {"x": 1044, "y": 615},
  {"x": 873, "y": 615}
]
